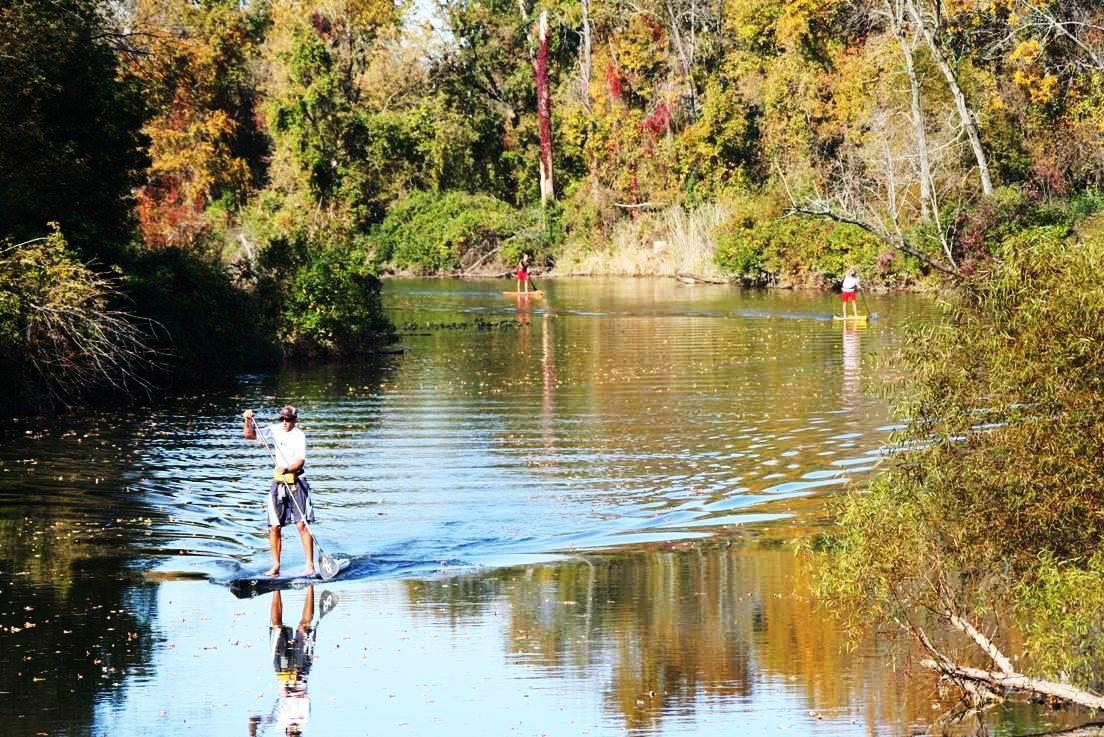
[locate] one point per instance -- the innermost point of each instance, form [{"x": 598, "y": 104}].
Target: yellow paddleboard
[
  {"x": 852, "y": 318},
  {"x": 534, "y": 294}
]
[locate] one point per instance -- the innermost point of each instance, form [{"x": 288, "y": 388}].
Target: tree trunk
[
  {"x": 585, "y": 55},
  {"x": 687, "y": 60},
  {"x": 896, "y": 21},
  {"x": 964, "y": 112},
  {"x": 544, "y": 113}
]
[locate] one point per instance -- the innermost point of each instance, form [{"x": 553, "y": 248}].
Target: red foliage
[
  {"x": 165, "y": 218},
  {"x": 659, "y": 34},
  {"x": 1047, "y": 180},
  {"x": 613, "y": 79},
  {"x": 321, "y": 24},
  {"x": 659, "y": 121}
]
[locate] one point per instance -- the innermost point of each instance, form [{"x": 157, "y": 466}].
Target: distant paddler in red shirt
[{"x": 522, "y": 274}]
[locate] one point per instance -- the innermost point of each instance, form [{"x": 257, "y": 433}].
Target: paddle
[
  {"x": 326, "y": 564},
  {"x": 533, "y": 285},
  {"x": 867, "y": 306}
]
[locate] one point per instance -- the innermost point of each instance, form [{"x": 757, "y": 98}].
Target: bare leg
[
  {"x": 276, "y": 543},
  {"x": 308, "y": 610},
  {"x": 308, "y": 547},
  {"x": 276, "y": 612}
]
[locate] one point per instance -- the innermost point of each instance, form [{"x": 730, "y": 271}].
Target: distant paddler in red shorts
[
  {"x": 522, "y": 274},
  {"x": 849, "y": 291}
]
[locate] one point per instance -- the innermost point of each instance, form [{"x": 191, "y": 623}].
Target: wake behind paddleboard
[{"x": 250, "y": 585}]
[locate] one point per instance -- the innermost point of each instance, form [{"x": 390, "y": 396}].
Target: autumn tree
[{"x": 205, "y": 147}]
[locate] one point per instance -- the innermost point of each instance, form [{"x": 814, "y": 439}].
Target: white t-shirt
[
  {"x": 850, "y": 284},
  {"x": 290, "y": 445}
]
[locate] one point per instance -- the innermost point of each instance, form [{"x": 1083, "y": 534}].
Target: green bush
[
  {"x": 994, "y": 504},
  {"x": 331, "y": 306},
  {"x": 207, "y": 326},
  {"x": 431, "y": 233},
  {"x": 761, "y": 246}
]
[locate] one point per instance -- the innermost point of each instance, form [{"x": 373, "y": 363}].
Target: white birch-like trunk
[{"x": 964, "y": 113}]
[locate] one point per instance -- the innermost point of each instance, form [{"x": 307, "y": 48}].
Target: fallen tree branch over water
[{"x": 987, "y": 685}]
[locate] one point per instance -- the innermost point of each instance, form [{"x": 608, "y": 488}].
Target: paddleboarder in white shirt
[
  {"x": 289, "y": 493},
  {"x": 849, "y": 291}
]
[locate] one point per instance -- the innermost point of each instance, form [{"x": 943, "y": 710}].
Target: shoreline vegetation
[{"x": 191, "y": 189}]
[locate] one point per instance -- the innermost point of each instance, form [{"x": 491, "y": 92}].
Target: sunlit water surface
[{"x": 563, "y": 516}]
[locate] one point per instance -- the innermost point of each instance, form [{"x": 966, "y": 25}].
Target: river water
[{"x": 564, "y": 516}]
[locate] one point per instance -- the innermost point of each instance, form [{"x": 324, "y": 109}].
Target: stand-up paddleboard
[
  {"x": 254, "y": 584},
  {"x": 533, "y": 293},
  {"x": 851, "y": 318}
]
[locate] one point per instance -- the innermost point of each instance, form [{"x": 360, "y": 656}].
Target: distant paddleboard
[
  {"x": 534, "y": 294},
  {"x": 255, "y": 584},
  {"x": 851, "y": 318}
]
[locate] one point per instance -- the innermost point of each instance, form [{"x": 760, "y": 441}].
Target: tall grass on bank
[{"x": 665, "y": 243}]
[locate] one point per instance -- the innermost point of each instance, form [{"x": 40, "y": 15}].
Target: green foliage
[
  {"x": 207, "y": 327},
  {"x": 994, "y": 502},
  {"x": 70, "y": 147},
  {"x": 429, "y": 232},
  {"x": 331, "y": 306},
  {"x": 761, "y": 245},
  {"x": 1061, "y": 609}
]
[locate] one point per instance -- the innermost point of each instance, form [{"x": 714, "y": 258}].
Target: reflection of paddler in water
[
  {"x": 851, "y": 360},
  {"x": 292, "y": 656}
]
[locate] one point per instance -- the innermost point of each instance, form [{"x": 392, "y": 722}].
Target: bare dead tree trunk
[
  {"x": 896, "y": 25},
  {"x": 685, "y": 58},
  {"x": 585, "y": 55},
  {"x": 544, "y": 112},
  {"x": 964, "y": 113},
  {"x": 1005, "y": 679}
]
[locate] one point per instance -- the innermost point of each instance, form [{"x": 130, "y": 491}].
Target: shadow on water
[{"x": 75, "y": 618}]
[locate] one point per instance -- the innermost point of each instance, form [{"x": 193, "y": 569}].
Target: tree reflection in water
[{"x": 679, "y": 627}]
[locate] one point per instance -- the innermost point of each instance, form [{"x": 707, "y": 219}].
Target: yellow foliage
[
  {"x": 1026, "y": 52},
  {"x": 1041, "y": 89}
]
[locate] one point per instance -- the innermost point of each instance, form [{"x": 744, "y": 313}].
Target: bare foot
[
  {"x": 273, "y": 571},
  {"x": 308, "y": 572}
]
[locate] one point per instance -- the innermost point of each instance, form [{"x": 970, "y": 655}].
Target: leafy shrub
[
  {"x": 432, "y": 233},
  {"x": 761, "y": 246},
  {"x": 994, "y": 503},
  {"x": 331, "y": 306},
  {"x": 208, "y": 326},
  {"x": 63, "y": 331}
]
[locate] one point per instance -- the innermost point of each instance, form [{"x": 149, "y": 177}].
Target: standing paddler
[
  {"x": 289, "y": 494},
  {"x": 849, "y": 291}
]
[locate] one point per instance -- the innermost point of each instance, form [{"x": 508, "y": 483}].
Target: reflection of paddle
[{"x": 328, "y": 566}]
